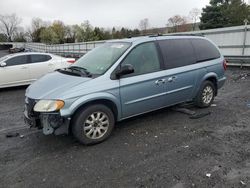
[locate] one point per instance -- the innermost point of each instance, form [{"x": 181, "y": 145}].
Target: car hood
[{"x": 53, "y": 85}]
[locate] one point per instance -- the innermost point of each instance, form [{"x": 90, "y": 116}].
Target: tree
[
  {"x": 3, "y": 37},
  {"x": 88, "y": 31},
  {"x": 19, "y": 37},
  {"x": 49, "y": 36},
  {"x": 194, "y": 15},
  {"x": 84, "y": 32},
  {"x": 224, "y": 13},
  {"x": 177, "y": 23},
  {"x": 9, "y": 25},
  {"x": 70, "y": 33},
  {"x": 59, "y": 29},
  {"x": 144, "y": 25},
  {"x": 34, "y": 32}
]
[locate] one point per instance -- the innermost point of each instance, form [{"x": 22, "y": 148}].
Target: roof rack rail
[
  {"x": 183, "y": 34},
  {"x": 156, "y": 35},
  {"x": 176, "y": 34}
]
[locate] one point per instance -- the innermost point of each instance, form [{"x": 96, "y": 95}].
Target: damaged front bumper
[{"x": 51, "y": 123}]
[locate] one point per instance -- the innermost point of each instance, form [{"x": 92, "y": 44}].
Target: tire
[
  {"x": 93, "y": 124},
  {"x": 205, "y": 95}
]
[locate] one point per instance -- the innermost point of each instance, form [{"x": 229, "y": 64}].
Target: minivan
[{"x": 122, "y": 79}]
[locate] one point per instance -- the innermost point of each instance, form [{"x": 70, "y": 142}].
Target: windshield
[{"x": 98, "y": 60}]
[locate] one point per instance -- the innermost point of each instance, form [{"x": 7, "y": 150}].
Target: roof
[
  {"x": 155, "y": 37},
  {"x": 26, "y": 53}
]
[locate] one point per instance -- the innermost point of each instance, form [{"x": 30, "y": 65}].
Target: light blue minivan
[{"x": 121, "y": 79}]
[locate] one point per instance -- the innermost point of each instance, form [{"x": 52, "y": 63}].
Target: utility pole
[{"x": 245, "y": 37}]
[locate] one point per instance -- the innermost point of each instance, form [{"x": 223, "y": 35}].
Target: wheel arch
[
  {"x": 109, "y": 103},
  {"x": 212, "y": 77}
]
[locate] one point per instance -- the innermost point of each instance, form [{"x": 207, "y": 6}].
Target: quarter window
[
  {"x": 177, "y": 52},
  {"x": 144, "y": 59},
  {"x": 205, "y": 50},
  {"x": 19, "y": 60}
]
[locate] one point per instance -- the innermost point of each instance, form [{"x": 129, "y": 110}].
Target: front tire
[
  {"x": 206, "y": 94},
  {"x": 93, "y": 124}
]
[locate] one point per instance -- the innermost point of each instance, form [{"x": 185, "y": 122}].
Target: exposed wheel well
[
  {"x": 214, "y": 81},
  {"x": 105, "y": 102}
]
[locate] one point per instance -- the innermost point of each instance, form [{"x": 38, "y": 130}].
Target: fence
[
  {"x": 66, "y": 50},
  {"x": 234, "y": 43}
]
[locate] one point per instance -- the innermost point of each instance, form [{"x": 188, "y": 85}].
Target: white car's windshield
[{"x": 100, "y": 59}]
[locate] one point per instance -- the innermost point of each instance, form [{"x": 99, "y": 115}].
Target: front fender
[{"x": 89, "y": 98}]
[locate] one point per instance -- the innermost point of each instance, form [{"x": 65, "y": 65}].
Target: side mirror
[
  {"x": 125, "y": 69},
  {"x": 3, "y": 64}
]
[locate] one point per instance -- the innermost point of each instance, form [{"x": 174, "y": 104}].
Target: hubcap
[
  {"x": 207, "y": 94},
  {"x": 96, "y": 125}
]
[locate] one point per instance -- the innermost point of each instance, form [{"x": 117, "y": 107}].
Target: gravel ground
[{"x": 160, "y": 149}]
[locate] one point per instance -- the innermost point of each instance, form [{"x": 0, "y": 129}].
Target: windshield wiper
[
  {"x": 65, "y": 71},
  {"x": 80, "y": 69}
]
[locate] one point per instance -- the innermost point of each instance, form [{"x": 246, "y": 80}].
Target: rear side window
[
  {"x": 177, "y": 52},
  {"x": 39, "y": 58},
  {"x": 19, "y": 60},
  {"x": 205, "y": 50}
]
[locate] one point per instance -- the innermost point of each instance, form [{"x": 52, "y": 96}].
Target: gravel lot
[{"x": 160, "y": 149}]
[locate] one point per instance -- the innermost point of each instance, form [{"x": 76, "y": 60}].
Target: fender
[
  {"x": 205, "y": 77},
  {"x": 92, "y": 97},
  {"x": 209, "y": 75}
]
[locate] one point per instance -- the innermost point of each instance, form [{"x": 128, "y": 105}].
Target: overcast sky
[{"x": 101, "y": 13}]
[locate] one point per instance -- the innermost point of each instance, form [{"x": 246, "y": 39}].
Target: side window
[
  {"x": 36, "y": 58},
  {"x": 19, "y": 60},
  {"x": 205, "y": 50},
  {"x": 48, "y": 57},
  {"x": 177, "y": 52},
  {"x": 144, "y": 59}
]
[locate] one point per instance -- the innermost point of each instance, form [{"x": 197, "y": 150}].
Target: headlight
[{"x": 48, "y": 105}]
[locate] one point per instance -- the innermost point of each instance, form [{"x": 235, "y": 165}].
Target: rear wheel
[
  {"x": 93, "y": 124},
  {"x": 206, "y": 95}
]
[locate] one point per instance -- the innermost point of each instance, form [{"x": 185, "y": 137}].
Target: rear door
[
  {"x": 144, "y": 90},
  {"x": 181, "y": 74},
  {"x": 39, "y": 65},
  {"x": 15, "y": 72}
]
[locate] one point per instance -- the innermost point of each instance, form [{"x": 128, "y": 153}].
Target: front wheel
[
  {"x": 93, "y": 124},
  {"x": 206, "y": 95}
]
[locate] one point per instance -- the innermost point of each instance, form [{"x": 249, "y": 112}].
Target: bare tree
[
  {"x": 176, "y": 21},
  {"x": 194, "y": 15},
  {"x": 9, "y": 25},
  {"x": 37, "y": 25},
  {"x": 144, "y": 25}
]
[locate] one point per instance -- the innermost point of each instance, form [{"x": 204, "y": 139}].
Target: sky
[{"x": 101, "y": 13}]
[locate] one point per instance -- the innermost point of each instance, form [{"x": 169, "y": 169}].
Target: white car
[{"x": 24, "y": 68}]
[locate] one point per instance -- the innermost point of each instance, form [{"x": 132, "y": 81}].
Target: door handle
[
  {"x": 157, "y": 82},
  {"x": 24, "y": 67},
  {"x": 50, "y": 64},
  {"x": 171, "y": 79}
]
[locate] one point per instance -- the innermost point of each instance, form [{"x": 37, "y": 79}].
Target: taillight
[
  {"x": 225, "y": 64},
  {"x": 71, "y": 61}
]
